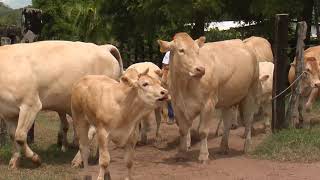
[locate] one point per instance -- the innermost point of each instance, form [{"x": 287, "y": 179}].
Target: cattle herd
[{"x": 87, "y": 82}]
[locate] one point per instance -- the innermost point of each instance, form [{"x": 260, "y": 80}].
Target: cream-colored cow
[
  {"x": 115, "y": 110},
  {"x": 155, "y": 72},
  {"x": 310, "y": 81},
  {"x": 261, "y": 48},
  {"x": 205, "y": 76},
  {"x": 39, "y": 76}
]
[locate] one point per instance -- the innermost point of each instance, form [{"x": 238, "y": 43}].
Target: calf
[
  {"x": 155, "y": 72},
  {"x": 114, "y": 109}
]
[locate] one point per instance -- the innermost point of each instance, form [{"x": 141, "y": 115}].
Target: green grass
[
  {"x": 55, "y": 164},
  {"x": 299, "y": 145}
]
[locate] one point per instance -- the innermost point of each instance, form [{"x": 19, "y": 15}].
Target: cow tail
[{"x": 115, "y": 53}]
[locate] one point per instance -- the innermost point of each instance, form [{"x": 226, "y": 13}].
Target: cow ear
[
  {"x": 130, "y": 77},
  {"x": 201, "y": 41},
  {"x": 158, "y": 72},
  {"x": 165, "y": 46},
  {"x": 124, "y": 79},
  {"x": 264, "y": 77},
  {"x": 145, "y": 72}
]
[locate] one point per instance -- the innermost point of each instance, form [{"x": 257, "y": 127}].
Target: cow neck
[
  {"x": 180, "y": 90},
  {"x": 132, "y": 108}
]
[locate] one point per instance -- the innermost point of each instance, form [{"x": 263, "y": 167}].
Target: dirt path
[{"x": 153, "y": 163}]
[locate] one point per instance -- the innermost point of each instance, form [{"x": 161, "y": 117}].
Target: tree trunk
[
  {"x": 150, "y": 50},
  {"x": 198, "y": 28},
  {"x": 307, "y": 17},
  {"x": 316, "y": 18}
]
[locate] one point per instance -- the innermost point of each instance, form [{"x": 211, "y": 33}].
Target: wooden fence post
[
  {"x": 295, "y": 105},
  {"x": 3, "y": 133},
  {"x": 280, "y": 74}
]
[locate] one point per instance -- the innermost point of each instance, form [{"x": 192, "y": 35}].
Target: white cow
[
  {"x": 39, "y": 76},
  {"x": 205, "y": 76}
]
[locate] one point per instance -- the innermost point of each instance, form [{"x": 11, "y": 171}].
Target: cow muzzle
[{"x": 198, "y": 72}]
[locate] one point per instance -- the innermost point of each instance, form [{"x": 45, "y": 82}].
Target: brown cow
[
  {"x": 114, "y": 109},
  {"x": 208, "y": 76}
]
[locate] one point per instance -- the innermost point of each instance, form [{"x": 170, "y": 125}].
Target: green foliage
[
  {"x": 72, "y": 20},
  {"x": 9, "y": 16},
  {"x": 291, "y": 145},
  {"x": 217, "y": 35},
  {"x": 135, "y": 25}
]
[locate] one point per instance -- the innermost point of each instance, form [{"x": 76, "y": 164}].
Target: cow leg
[
  {"x": 82, "y": 128},
  {"x": 267, "y": 117},
  {"x": 129, "y": 152},
  {"x": 218, "y": 128},
  {"x": 104, "y": 156},
  {"x": 27, "y": 116},
  {"x": 205, "y": 117},
  {"x": 144, "y": 130},
  {"x": 226, "y": 115},
  {"x": 248, "y": 108},
  {"x": 157, "y": 113},
  {"x": 16, "y": 150},
  {"x": 63, "y": 132},
  {"x": 184, "y": 131}
]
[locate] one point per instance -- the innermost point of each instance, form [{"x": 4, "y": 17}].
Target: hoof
[
  {"x": 14, "y": 163},
  {"x": 36, "y": 159},
  {"x": 204, "y": 158},
  {"x": 64, "y": 149},
  {"x": 76, "y": 164}
]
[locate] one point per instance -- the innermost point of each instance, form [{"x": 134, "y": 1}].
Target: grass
[
  {"x": 298, "y": 145},
  {"x": 55, "y": 164}
]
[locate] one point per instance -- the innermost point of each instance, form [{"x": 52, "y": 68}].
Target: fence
[{"x": 281, "y": 118}]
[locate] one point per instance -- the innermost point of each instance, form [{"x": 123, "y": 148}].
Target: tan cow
[
  {"x": 155, "y": 72},
  {"x": 39, "y": 76},
  {"x": 114, "y": 109},
  {"x": 310, "y": 80},
  {"x": 261, "y": 47},
  {"x": 208, "y": 76}
]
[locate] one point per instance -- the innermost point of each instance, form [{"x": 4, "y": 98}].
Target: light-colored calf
[{"x": 115, "y": 110}]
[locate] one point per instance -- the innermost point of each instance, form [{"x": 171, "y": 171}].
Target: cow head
[
  {"x": 184, "y": 53},
  {"x": 149, "y": 89},
  {"x": 311, "y": 76}
]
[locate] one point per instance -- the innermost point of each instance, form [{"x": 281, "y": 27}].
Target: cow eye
[
  {"x": 145, "y": 84},
  {"x": 181, "y": 51}
]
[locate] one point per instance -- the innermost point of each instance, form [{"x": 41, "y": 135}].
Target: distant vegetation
[{"x": 9, "y": 16}]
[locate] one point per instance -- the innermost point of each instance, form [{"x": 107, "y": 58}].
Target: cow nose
[
  {"x": 200, "y": 70},
  {"x": 164, "y": 92}
]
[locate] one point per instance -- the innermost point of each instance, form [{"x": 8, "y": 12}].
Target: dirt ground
[{"x": 159, "y": 163}]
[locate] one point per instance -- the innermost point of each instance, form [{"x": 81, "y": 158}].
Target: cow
[
  {"x": 205, "y": 76},
  {"x": 261, "y": 48},
  {"x": 114, "y": 109},
  {"x": 156, "y": 73},
  {"x": 310, "y": 78},
  {"x": 39, "y": 76},
  {"x": 263, "y": 51}
]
